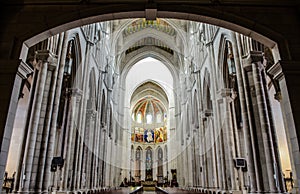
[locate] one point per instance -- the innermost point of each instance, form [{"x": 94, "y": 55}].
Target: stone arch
[
  {"x": 92, "y": 90},
  {"x": 162, "y": 94},
  {"x": 232, "y": 21},
  {"x": 149, "y": 163},
  {"x": 78, "y": 59},
  {"x": 138, "y": 163},
  {"x": 130, "y": 40},
  {"x": 195, "y": 114},
  {"x": 221, "y": 59},
  {"x": 166, "y": 152},
  {"x": 103, "y": 109},
  {"x": 157, "y": 56},
  {"x": 160, "y": 170},
  {"x": 228, "y": 18},
  {"x": 207, "y": 101},
  {"x": 160, "y": 56}
]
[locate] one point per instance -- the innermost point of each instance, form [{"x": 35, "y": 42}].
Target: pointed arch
[
  {"x": 207, "y": 101},
  {"x": 195, "y": 110}
]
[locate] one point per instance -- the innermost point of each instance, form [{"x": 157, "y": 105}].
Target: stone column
[
  {"x": 97, "y": 153},
  {"x": 231, "y": 174},
  {"x": 280, "y": 184},
  {"x": 82, "y": 120},
  {"x": 102, "y": 155},
  {"x": 265, "y": 123},
  {"x": 196, "y": 145},
  {"x": 53, "y": 128},
  {"x": 95, "y": 150},
  {"x": 263, "y": 132},
  {"x": 92, "y": 150},
  {"x": 12, "y": 79},
  {"x": 238, "y": 139},
  {"x": 246, "y": 117},
  {"x": 203, "y": 151},
  {"x": 66, "y": 138},
  {"x": 220, "y": 144},
  {"x": 45, "y": 119},
  {"x": 188, "y": 165},
  {"x": 254, "y": 125},
  {"x": 286, "y": 76},
  {"x": 42, "y": 66},
  {"x": 76, "y": 95},
  {"x": 207, "y": 152},
  {"x": 87, "y": 142},
  {"x": 201, "y": 143}
]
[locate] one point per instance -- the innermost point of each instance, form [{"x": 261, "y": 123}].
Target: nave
[{"x": 150, "y": 102}]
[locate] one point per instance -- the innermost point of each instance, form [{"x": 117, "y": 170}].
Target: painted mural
[{"x": 141, "y": 135}]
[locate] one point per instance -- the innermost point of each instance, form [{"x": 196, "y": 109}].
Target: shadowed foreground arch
[{"x": 23, "y": 28}]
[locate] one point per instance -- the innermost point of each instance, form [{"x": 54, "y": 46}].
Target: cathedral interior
[{"x": 173, "y": 96}]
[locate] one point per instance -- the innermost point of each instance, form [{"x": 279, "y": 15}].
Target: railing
[
  {"x": 160, "y": 190},
  {"x": 136, "y": 190},
  {"x": 8, "y": 183}
]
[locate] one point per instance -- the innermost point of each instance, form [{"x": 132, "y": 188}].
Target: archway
[{"x": 183, "y": 16}]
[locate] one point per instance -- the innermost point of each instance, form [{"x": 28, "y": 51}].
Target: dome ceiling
[
  {"x": 148, "y": 105},
  {"x": 149, "y": 98},
  {"x": 141, "y": 24}
]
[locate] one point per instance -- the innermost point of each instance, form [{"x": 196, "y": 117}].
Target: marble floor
[{"x": 167, "y": 189}]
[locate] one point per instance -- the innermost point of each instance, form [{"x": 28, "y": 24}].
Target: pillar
[
  {"x": 76, "y": 95},
  {"x": 286, "y": 75},
  {"x": 11, "y": 76},
  {"x": 43, "y": 66},
  {"x": 45, "y": 119},
  {"x": 263, "y": 132},
  {"x": 230, "y": 171},
  {"x": 250, "y": 182}
]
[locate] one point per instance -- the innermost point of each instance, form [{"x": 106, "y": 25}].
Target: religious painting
[
  {"x": 137, "y": 136},
  {"x": 149, "y": 135},
  {"x": 160, "y": 134}
]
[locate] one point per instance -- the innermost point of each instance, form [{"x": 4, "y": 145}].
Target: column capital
[
  {"x": 276, "y": 71},
  {"x": 91, "y": 113},
  {"x": 206, "y": 113},
  {"x": 75, "y": 92},
  {"x": 46, "y": 56},
  {"x": 252, "y": 57},
  {"x": 225, "y": 92},
  {"x": 279, "y": 70},
  {"x": 24, "y": 70}
]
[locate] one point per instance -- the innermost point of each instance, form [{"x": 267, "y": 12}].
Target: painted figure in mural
[
  {"x": 159, "y": 135},
  {"x": 149, "y": 135},
  {"x": 137, "y": 136}
]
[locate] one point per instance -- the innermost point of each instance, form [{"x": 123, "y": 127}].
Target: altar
[{"x": 149, "y": 185}]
